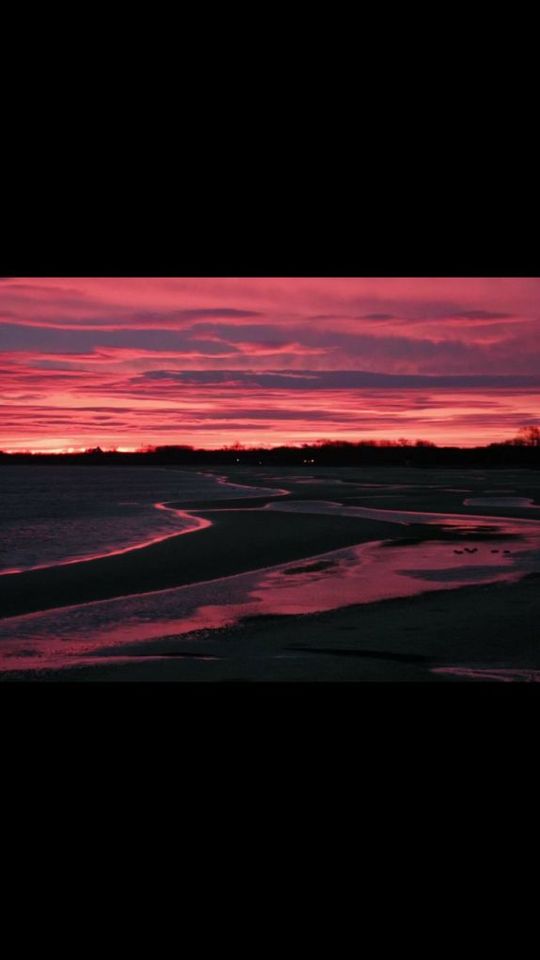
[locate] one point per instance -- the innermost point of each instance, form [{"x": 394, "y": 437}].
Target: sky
[{"x": 130, "y": 362}]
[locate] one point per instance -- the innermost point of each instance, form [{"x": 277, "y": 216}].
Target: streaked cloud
[{"x": 120, "y": 361}]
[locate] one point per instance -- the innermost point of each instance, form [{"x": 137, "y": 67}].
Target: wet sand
[
  {"x": 237, "y": 541},
  {"x": 482, "y": 631},
  {"x": 472, "y": 633}
]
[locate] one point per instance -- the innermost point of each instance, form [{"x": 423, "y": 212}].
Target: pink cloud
[{"x": 74, "y": 343}]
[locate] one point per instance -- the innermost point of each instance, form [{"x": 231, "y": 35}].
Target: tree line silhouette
[{"x": 522, "y": 450}]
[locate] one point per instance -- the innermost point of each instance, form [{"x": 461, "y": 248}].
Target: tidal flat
[{"x": 322, "y": 574}]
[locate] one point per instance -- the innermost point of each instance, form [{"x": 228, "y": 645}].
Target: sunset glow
[{"x": 127, "y": 363}]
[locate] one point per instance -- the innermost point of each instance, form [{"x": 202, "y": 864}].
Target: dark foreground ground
[
  {"x": 485, "y": 628},
  {"x": 490, "y": 629},
  {"x": 238, "y": 541}
]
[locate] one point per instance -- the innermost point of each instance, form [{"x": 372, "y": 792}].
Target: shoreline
[
  {"x": 237, "y": 541},
  {"x": 426, "y": 637},
  {"x": 198, "y": 524},
  {"x": 180, "y": 508},
  {"x": 489, "y": 625}
]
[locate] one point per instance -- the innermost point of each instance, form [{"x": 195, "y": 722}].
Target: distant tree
[
  {"x": 168, "y": 448},
  {"x": 528, "y": 436},
  {"x": 333, "y": 443}
]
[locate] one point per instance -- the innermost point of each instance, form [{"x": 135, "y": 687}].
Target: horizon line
[{"x": 403, "y": 442}]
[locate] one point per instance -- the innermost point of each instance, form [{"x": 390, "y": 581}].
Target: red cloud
[{"x": 78, "y": 351}]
